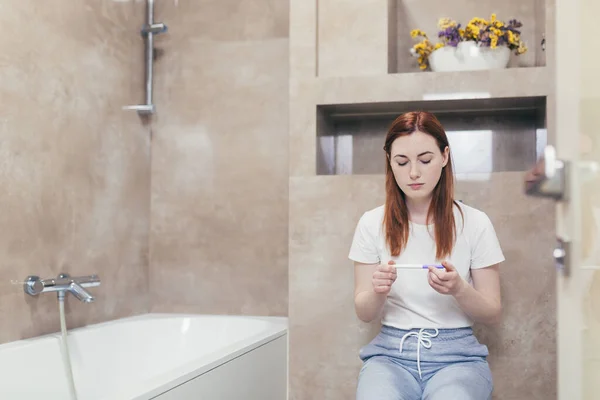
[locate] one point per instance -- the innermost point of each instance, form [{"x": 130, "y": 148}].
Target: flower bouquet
[{"x": 480, "y": 45}]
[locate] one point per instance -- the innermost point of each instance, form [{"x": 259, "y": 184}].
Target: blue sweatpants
[{"x": 424, "y": 364}]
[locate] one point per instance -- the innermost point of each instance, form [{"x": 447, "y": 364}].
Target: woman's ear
[{"x": 446, "y": 156}]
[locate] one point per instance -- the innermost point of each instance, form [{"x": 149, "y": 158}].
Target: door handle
[{"x": 561, "y": 257}]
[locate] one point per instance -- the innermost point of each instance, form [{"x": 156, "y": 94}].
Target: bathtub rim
[{"x": 151, "y": 387}]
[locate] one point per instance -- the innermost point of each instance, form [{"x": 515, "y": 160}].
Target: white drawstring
[{"x": 423, "y": 338}]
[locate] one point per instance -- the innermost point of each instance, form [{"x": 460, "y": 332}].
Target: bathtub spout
[{"x": 80, "y": 293}]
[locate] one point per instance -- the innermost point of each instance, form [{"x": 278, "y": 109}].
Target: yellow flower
[
  {"x": 438, "y": 46},
  {"x": 511, "y": 37},
  {"x": 417, "y": 32},
  {"x": 445, "y": 23},
  {"x": 461, "y": 32},
  {"x": 474, "y": 30},
  {"x": 522, "y": 48},
  {"x": 478, "y": 21},
  {"x": 493, "y": 41},
  {"x": 493, "y": 18},
  {"x": 422, "y": 50}
]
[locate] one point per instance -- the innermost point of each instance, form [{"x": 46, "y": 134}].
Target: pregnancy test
[{"x": 417, "y": 266}]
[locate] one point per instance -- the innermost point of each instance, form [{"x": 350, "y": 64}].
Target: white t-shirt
[{"x": 412, "y": 303}]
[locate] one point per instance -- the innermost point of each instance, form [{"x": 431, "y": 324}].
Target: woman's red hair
[{"x": 441, "y": 209}]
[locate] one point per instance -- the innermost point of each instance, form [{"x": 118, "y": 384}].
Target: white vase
[{"x": 468, "y": 56}]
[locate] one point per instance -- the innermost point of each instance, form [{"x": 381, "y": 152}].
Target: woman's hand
[
  {"x": 446, "y": 281},
  {"x": 383, "y": 278}
]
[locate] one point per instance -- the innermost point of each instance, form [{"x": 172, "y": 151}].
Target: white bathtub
[{"x": 160, "y": 356}]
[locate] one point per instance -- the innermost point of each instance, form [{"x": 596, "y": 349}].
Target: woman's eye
[
  {"x": 425, "y": 162},
  {"x": 403, "y": 164}
]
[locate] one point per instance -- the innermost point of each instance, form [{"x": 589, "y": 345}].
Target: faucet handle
[{"x": 33, "y": 285}]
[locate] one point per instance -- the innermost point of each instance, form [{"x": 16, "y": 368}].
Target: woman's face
[{"x": 417, "y": 164}]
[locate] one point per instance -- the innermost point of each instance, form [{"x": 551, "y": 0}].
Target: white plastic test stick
[{"x": 417, "y": 266}]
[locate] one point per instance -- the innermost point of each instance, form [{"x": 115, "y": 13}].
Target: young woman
[{"x": 428, "y": 266}]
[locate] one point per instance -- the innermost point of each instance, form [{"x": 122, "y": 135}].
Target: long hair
[{"x": 441, "y": 213}]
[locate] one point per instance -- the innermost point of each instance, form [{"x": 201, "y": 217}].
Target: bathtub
[{"x": 154, "y": 356}]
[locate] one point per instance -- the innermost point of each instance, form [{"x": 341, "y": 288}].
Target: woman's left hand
[{"x": 445, "y": 281}]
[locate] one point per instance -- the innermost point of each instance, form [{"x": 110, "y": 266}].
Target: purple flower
[
  {"x": 513, "y": 24},
  {"x": 450, "y": 35}
]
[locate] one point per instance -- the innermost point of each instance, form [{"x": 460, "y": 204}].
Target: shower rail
[{"x": 148, "y": 31}]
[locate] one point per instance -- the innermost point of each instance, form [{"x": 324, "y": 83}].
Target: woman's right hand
[{"x": 383, "y": 278}]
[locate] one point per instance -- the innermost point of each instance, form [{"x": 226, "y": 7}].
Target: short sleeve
[
  {"x": 486, "y": 250},
  {"x": 364, "y": 245}
]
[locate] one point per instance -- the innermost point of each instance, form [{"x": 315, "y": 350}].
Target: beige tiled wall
[
  {"x": 351, "y": 39},
  {"x": 74, "y": 167},
  {"x": 220, "y": 159}
]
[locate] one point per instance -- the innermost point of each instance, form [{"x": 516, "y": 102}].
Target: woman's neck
[{"x": 418, "y": 209}]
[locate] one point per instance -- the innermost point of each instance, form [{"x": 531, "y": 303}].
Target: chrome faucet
[{"x": 62, "y": 284}]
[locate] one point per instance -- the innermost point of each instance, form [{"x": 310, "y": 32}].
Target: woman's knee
[
  {"x": 468, "y": 381},
  {"x": 381, "y": 378}
]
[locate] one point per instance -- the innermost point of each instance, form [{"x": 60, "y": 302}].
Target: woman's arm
[
  {"x": 372, "y": 283},
  {"x": 482, "y": 301}
]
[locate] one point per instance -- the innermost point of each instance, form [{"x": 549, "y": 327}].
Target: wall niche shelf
[
  {"x": 486, "y": 135},
  {"x": 495, "y": 119},
  {"x": 432, "y": 86}
]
